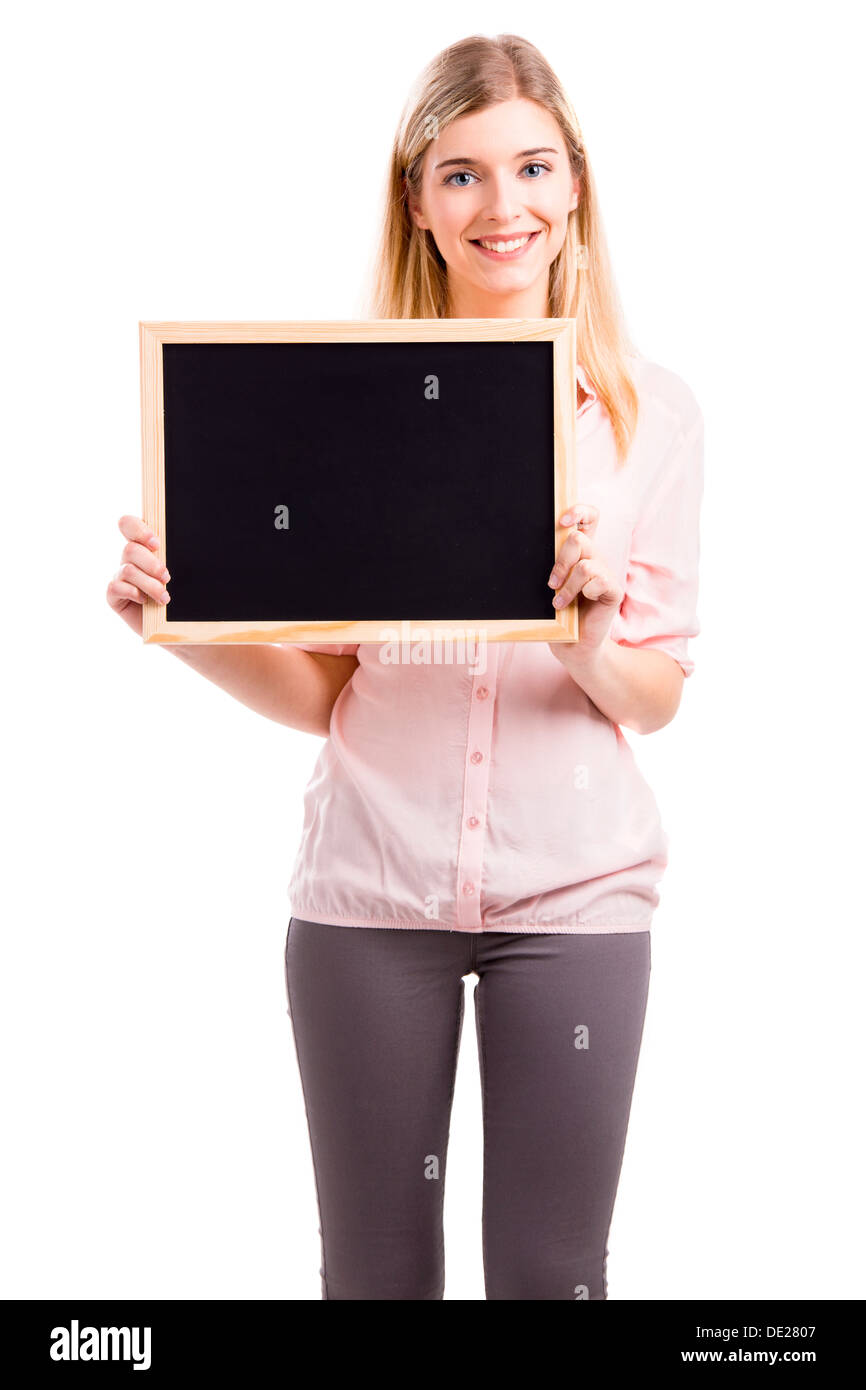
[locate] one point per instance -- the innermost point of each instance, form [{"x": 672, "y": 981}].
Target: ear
[{"x": 414, "y": 211}]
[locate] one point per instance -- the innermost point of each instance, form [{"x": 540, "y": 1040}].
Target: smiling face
[{"x": 496, "y": 177}]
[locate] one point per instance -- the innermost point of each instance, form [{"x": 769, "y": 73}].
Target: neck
[{"x": 467, "y": 301}]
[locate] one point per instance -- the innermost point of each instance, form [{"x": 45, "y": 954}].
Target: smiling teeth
[{"x": 504, "y": 246}]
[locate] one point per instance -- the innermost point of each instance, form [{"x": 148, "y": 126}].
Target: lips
[{"x": 507, "y": 255}]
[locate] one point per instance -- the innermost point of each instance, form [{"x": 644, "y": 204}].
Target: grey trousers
[{"x": 377, "y": 1015}]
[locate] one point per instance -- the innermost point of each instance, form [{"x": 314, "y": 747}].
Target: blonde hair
[{"x": 409, "y": 276}]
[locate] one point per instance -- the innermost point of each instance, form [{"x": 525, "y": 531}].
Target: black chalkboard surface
[{"x": 323, "y": 481}]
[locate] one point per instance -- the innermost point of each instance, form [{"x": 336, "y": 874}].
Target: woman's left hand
[{"x": 580, "y": 575}]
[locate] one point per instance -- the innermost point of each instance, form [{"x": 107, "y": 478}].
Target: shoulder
[
  {"x": 666, "y": 454},
  {"x": 664, "y": 397}
]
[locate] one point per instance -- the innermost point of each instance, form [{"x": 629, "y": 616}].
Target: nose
[{"x": 504, "y": 204}]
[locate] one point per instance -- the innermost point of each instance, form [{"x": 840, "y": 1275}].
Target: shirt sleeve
[
  {"x": 329, "y": 648},
  {"x": 659, "y": 608}
]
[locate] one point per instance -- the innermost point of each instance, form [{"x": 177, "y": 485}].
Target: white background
[{"x": 225, "y": 162}]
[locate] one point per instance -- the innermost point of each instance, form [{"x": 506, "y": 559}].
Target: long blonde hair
[{"x": 409, "y": 277}]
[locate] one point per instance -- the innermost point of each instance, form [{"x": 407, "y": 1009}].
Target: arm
[
  {"x": 286, "y": 684},
  {"x": 631, "y": 685},
  {"x": 640, "y": 689}
]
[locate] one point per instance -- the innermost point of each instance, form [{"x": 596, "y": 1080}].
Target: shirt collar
[{"x": 591, "y": 393}]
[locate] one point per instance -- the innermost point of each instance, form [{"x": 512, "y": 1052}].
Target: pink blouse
[{"x": 485, "y": 791}]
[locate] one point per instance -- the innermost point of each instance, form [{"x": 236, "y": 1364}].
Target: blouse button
[
  {"x": 469, "y": 888},
  {"x": 473, "y": 820},
  {"x": 476, "y": 757},
  {"x": 482, "y": 692}
]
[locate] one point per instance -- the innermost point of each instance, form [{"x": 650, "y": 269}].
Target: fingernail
[
  {"x": 553, "y": 581},
  {"x": 567, "y": 519},
  {"x": 164, "y": 598},
  {"x": 166, "y": 575},
  {"x": 153, "y": 542},
  {"x": 559, "y": 600}
]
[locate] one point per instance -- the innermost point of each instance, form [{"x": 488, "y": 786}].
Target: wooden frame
[{"x": 157, "y": 626}]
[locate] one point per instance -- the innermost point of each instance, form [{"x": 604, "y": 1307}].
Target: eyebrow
[{"x": 467, "y": 159}]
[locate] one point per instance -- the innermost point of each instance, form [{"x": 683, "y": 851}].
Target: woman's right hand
[{"x": 141, "y": 574}]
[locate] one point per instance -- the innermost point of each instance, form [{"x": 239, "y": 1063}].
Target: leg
[
  {"x": 559, "y": 1021},
  {"x": 377, "y": 1015}
]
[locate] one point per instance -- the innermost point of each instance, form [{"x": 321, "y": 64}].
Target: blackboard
[{"x": 323, "y": 481}]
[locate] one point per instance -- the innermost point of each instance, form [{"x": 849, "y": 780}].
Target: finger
[
  {"x": 121, "y": 592},
  {"x": 576, "y": 546},
  {"x": 136, "y": 554},
  {"x": 135, "y": 529},
  {"x": 591, "y": 580},
  {"x": 598, "y": 587},
  {"x": 583, "y": 515},
  {"x": 131, "y": 574}
]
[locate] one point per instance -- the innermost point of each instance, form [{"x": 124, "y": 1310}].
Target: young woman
[{"x": 488, "y": 819}]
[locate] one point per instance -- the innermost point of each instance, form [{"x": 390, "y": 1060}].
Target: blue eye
[{"x": 460, "y": 173}]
